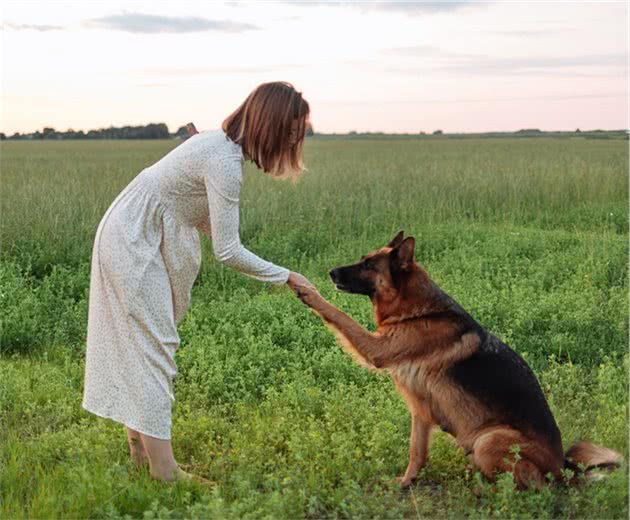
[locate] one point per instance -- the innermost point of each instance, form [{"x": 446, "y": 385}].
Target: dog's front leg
[
  {"x": 418, "y": 449},
  {"x": 369, "y": 349}
]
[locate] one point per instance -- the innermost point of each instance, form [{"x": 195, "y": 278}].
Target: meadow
[{"x": 529, "y": 235}]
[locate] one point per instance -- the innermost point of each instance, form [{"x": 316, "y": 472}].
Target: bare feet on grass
[
  {"x": 143, "y": 449},
  {"x": 183, "y": 475},
  {"x": 180, "y": 474}
]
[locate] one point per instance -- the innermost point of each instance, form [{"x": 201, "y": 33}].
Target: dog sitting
[{"x": 451, "y": 372}]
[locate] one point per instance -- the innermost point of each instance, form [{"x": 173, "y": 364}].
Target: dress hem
[{"x": 125, "y": 422}]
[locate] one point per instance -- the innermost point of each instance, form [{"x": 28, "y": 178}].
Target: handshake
[{"x": 303, "y": 289}]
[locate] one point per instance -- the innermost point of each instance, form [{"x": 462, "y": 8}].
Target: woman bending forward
[{"x": 147, "y": 255}]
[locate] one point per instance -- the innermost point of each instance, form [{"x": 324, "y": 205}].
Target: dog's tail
[{"x": 584, "y": 457}]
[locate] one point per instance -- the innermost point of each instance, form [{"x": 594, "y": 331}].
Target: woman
[{"x": 147, "y": 255}]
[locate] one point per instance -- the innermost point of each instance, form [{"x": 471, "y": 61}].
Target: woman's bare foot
[
  {"x": 136, "y": 449},
  {"x": 180, "y": 474},
  {"x": 139, "y": 459},
  {"x": 137, "y": 453},
  {"x": 183, "y": 475},
  {"x": 162, "y": 464}
]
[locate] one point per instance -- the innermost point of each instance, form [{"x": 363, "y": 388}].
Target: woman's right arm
[{"x": 223, "y": 191}]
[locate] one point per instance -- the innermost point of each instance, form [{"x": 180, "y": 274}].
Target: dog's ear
[
  {"x": 404, "y": 253},
  {"x": 396, "y": 240}
]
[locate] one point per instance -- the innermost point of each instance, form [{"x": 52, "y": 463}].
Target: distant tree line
[
  {"x": 524, "y": 133},
  {"x": 160, "y": 131},
  {"x": 150, "y": 131}
]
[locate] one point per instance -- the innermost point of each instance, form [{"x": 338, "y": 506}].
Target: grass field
[{"x": 530, "y": 236}]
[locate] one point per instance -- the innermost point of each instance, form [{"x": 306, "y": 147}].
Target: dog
[{"x": 451, "y": 372}]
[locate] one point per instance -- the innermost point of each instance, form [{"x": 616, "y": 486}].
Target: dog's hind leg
[
  {"x": 418, "y": 449},
  {"x": 493, "y": 452}
]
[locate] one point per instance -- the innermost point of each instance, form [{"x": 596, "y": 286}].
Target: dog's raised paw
[{"x": 306, "y": 295}]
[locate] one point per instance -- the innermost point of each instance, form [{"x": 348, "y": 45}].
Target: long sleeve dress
[{"x": 145, "y": 258}]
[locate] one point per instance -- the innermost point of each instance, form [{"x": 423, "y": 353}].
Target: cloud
[
  {"x": 529, "y": 64},
  {"x": 30, "y": 27},
  {"x": 425, "y": 51},
  {"x": 150, "y": 23},
  {"x": 436, "y": 59},
  {"x": 490, "y": 99},
  {"x": 410, "y": 7},
  {"x": 178, "y": 72},
  {"x": 529, "y": 32},
  {"x": 417, "y": 7},
  {"x": 288, "y": 18}
]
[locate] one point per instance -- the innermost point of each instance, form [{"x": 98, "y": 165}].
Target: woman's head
[{"x": 270, "y": 126}]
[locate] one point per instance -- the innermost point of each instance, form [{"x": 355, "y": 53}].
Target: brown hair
[{"x": 262, "y": 126}]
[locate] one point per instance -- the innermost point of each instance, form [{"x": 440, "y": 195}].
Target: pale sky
[{"x": 365, "y": 66}]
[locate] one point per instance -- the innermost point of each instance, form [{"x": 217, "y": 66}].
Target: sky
[{"x": 458, "y": 66}]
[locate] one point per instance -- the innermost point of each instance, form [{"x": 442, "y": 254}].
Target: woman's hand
[
  {"x": 297, "y": 281},
  {"x": 305, "y": 291}
]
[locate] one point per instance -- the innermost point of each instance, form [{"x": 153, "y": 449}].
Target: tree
[
  {"x": 48, "y": 133},
  {"x": 182, "y": 133},
  {"x": 438, "y": 132}
]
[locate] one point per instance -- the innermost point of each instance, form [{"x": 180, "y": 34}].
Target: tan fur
[{"x": 350, "y": 349}]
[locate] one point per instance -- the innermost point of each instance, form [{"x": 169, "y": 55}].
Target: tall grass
[{"x": 54, "y": 194}]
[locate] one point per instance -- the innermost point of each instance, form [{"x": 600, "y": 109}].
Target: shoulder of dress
[
  {"x": 231, "y": 148},
  {"x": 215, "y": 146},
  {"x": 226, "y": 175},
  {"x": 236, "y": 151}
]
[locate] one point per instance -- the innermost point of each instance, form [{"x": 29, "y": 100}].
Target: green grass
[{"x": 530, "y": 237}]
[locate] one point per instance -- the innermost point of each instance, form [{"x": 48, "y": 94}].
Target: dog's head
[{"x": 381, "y": 273}]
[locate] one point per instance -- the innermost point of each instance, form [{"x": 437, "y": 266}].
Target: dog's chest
[
  {"x": 451, "y": 409},
  {"x": 423, "y": 385}
]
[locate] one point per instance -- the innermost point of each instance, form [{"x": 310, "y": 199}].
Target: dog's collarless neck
[{"x": 392, "y": 320}]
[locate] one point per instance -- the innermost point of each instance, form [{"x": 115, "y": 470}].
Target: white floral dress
[{"x": 145, "y": 259}]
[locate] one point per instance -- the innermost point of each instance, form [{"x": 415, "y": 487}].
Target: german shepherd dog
[{"x": 451, "y": 372}]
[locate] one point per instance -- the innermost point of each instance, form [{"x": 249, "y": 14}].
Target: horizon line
[{"x": 347, "y": 132}]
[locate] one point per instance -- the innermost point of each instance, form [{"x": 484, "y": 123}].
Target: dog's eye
[{"x": 368, "y": 264}]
